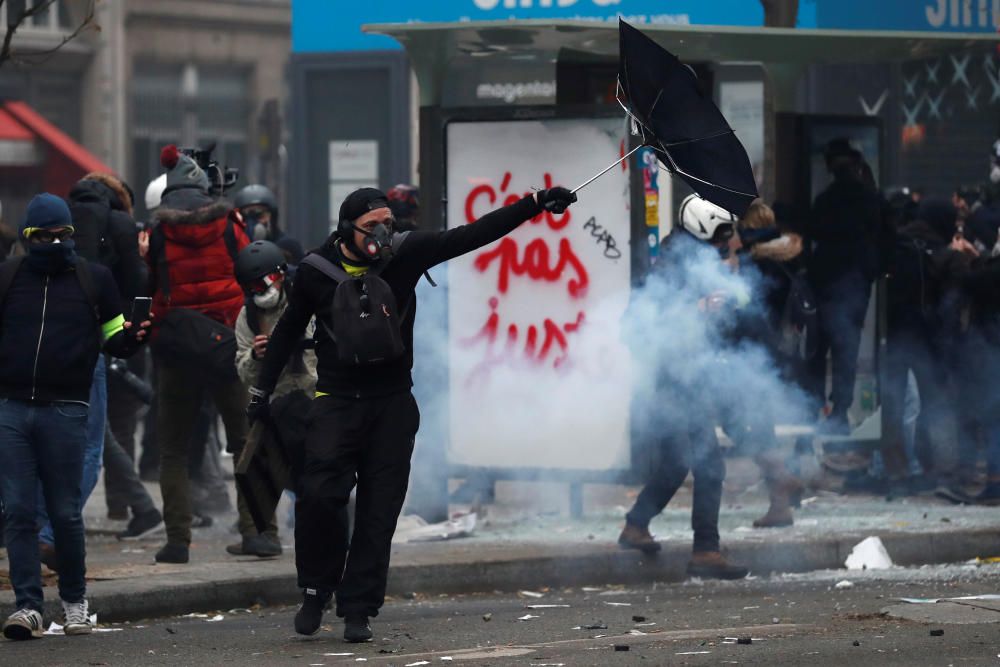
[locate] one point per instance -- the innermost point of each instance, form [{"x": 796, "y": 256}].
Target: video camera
[{"x": 220, "y": 178}]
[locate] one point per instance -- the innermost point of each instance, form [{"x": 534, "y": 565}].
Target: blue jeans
[
  {"x": 93, "y": 455},
  {"x": 43, "y": 443}
]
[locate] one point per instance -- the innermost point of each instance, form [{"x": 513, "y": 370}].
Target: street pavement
[{"x": 804, "y": 619}]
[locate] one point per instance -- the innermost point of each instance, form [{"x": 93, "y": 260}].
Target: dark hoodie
[
  {"x": 101, "y": 207},
  {"x": 192, "y": 229}
]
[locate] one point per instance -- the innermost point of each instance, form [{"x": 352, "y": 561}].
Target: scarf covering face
[{"x": 51, "y": 258}]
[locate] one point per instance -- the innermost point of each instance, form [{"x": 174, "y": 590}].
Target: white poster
[
  {"x": 742, "y": 103},
  {"x": 539, "y": 377},
  {"x": 354, "y": 160}
]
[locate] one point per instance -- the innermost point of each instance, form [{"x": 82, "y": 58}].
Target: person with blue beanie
[{"x": 57, "y": 312}]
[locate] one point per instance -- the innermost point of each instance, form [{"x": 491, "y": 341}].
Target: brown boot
[
  {"x": 634, "y": 537},
  {"x": 782, "y": 487},
  {"x": 713, "y": 565}
]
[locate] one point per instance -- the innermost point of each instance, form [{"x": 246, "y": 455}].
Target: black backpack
[
  {"x": 365, "y": 321},
  {"x": 799, "y": 335},
  {"x": 92, "y": 236}
]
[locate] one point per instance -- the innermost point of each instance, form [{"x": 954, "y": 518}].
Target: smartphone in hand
[{"x": 141, "y": 308}]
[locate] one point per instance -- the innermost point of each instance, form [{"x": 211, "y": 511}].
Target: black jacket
[
  {"x": 106, "y": 232},
  {"x": 845, "y": 227},
  {"x": 50, "y": 338},
  {"x": 312, "y": 294}
]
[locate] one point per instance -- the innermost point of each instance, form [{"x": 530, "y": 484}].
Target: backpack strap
[
  {"x": 86, "y": 280},
  {"x": 326, "y": 267},
  {"x": 8, "y": 270},
  {"x": 229, "y": 236},
  {"x": 158, "y": 251},
  {"x": 253, "y": 315}
]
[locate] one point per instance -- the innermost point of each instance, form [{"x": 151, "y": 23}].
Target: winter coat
[
  {"x": 845, "y": 228},
  {"x": 774, "y": 260},
  {"x": 50, "y": 337},
  {"x": 299, "y": 374},
  {"x": 106, "y": 232},
  {"x": 199, "y": 260}
]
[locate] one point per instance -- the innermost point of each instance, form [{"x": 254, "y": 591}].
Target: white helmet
[
  {"x": 702, "y": 218},
  {"x": 154, "y": 191}
]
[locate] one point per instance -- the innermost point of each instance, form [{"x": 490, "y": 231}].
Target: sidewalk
[{"x": 527, "y": 540}]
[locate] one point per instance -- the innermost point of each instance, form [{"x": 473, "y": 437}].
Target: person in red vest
[{"x": 191, "y": 257}]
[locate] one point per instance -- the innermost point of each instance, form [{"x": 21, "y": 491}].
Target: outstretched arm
[{"x": 286, "y": 335}]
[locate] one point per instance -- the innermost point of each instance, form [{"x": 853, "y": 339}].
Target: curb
[{"x": 487, "y": 568}]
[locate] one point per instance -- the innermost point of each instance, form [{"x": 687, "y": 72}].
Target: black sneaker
[
  {"x": 310, "y": 614},
  {"x": 953, "y": 493},
  {"x": 262, "y": 546},
  {"x": 172, "y": 553},
  {"x": 357, "y": 629},
  {"x": 142, "y": 525}
]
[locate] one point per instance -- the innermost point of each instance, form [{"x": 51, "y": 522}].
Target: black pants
[
  {"x": 129, "y": 490},
  {"x": 368, "y": 443},
  {"x": 842, "y": 306},
  {"x": 688, "y": 444}
]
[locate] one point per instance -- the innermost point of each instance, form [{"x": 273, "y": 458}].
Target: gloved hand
[
  {"x": 555, "y": 200},
  {"x": 259, "y": 405}
]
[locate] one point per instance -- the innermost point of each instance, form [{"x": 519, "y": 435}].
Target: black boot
[
  {"x": 357, "y": 629},
  {"x": 172, "y": 552},
  {"x": 310, "y": 614}
]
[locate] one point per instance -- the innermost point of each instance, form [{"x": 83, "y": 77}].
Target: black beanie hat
[
  {"x": 360, "y": 202},
  {"x": 940, "y": 214}
]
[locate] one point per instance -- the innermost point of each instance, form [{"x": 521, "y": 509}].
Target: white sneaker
[
  {"x": 77, "y": 619},
  {"x": 23, "y": 624}
]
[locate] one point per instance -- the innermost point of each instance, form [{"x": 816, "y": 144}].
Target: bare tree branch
[{"x": 7, "y": 53}]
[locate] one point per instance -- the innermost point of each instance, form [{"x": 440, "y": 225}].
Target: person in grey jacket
[{"x": 262, "y": 273}]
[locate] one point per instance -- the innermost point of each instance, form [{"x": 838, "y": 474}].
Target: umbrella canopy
[{"x": 679, "y": 120}]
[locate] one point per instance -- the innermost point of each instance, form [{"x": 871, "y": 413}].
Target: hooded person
[
  {"x": 45, "y": 385},
  {"x": 359, "y": 286},
  {"x": 192, "y": 255},
  {"x": 262, "y": 273}
]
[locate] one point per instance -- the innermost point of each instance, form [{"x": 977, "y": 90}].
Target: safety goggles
[
  {"x": 39, "y": 235},
  {"x": 264, "y": 283}
]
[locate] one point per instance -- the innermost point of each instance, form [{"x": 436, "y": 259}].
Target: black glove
[
  {"x": 259, "y": 405},
  {"x": 555, "y": 200}
]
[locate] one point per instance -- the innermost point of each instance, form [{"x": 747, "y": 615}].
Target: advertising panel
[{"x": 539, "y": 377}]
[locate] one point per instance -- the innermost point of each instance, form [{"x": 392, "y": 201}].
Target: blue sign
[
  {"x": 920, "y": 15},
  {"x": 335, "y": 25}
]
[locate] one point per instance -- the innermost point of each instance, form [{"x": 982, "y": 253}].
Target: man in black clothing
[
  {"x": 364, "y": 418},
  {"x": 845, "y": 231}
]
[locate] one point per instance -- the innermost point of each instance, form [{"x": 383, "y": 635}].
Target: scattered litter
[
  {"x": 591, "y": 589},
  {"x": 487, "y": 617},
  {"x": 643, "y": 625},
  {"x": 869, "y": 554},
  {"x": 991, "y": 559},
  {"x": 987, "y": 596},
  {"x": 842, "y": 584},
  {"x": 531, "y": 594},
  {"x": 133, "y": 551},
  {"x": 317, "y": 664},
  {"x": 745, "y": 640},
  {"x": 240, "y": 611},
  {"x": 412, "y": 528},
  {"x": 621, "y": 647},
  {"x": 386, "y": 650},
  {"x": 56, "y": 629},
  {"x": 546, "y": 606},
  {"x": 340, "y": 655},
  {"x": 694, "y": 653},
  {"x": 171, "y": 631},
  {"x": 618, "y": 604},
  {"x": 937, "y": 633},
  {"x": 857, "y": 643},
  {"x": 194, "y": 615},
  {"x": 638, "y": 619},
  {"x": 808, "y": 501},
  {"x": 527, "y": 617},
  {"x": 417, "y": 664},
  {"x": 635, "y": 632},
  {"x": 447, "y": 658},
  {"x": 775, "y": 620},
  {"x": 592, "y": 626},
  {"x": 753, "y": 607},
  {"x": 215, "y": 619},
  {"x": 361, "y": 660}
]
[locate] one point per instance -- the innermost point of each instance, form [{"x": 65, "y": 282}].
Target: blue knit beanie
[{"x": 46, "y": 211}]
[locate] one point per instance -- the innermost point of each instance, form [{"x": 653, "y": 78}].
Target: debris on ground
[
  {"x": 546, "y": 606},
  {"x": 638, "y": 619},
  {"x": 412, "y": 528},
  {"x": 531, "y": 594},
  {"x": 869, "y": 554},
  {"x": 592, "y": 626},
  {"x": 937, "y": 633},
  {"x": 528, "y": 617},
  {"x": 842, "y": 584},
  {"x": 621, "y": 647},
  {"x": 487, "y": 617},
  {"x": 744, "y": 640},
  {"x": 857, "y": 643},
  {"x": 618, "y": 604}
]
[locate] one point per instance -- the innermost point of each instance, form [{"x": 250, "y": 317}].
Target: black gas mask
[{"x": 377, "y": 244}]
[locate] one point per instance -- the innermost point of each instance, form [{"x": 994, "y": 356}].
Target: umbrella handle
[{"x": 609, "y": 168}]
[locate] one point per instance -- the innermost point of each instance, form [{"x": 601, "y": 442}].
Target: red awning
[
  {"x": 11, "y": 130},
  {"x": 54, "y": 138}
]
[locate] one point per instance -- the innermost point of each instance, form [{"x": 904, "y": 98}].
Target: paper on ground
[
  {"x": 414, "y": 529},
  {"x": 868, "y": 554}
]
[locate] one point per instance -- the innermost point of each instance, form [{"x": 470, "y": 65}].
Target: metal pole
[{"x": 609, "y": 168}]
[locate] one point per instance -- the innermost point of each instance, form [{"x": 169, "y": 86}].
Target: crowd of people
[
  {"x": 814, "y": 274},
  {"x": 313, "y": 351}
]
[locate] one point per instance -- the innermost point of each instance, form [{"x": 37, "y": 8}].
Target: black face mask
[
  {"x": 377, "y": 244},
  {"x": 52, "y": 257}
]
